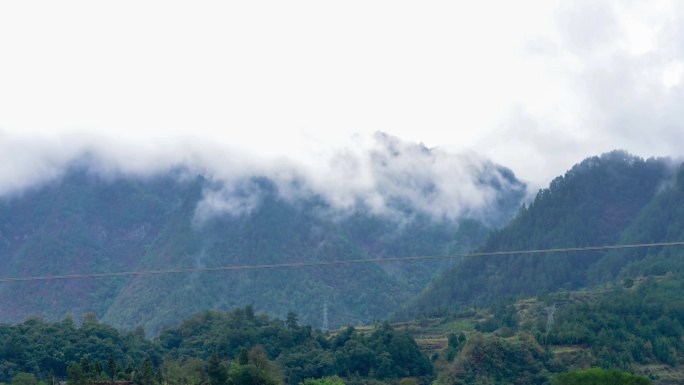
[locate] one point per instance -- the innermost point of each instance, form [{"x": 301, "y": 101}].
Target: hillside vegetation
[
  {"x": 84, "y": 223},
  {"x": 603, "y": 317},
  {"x": 219, "y": 348},
  {"x": 634, "y": 327},
  {"x": 614, "y": 198}
]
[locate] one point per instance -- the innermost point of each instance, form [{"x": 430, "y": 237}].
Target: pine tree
[
  {"x": 291, "y": 321},
  {"x": 111, "y": 367},
  {"x": 216, "y": 371},
  {"x": 147, "y": 376}
]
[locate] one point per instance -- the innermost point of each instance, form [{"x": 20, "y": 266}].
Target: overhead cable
[{"x": 302, "y": 264}]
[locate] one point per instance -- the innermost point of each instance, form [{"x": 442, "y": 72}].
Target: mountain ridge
[
  {"x": 83, "y": 222},
  {"x": 591, "y": 205}
]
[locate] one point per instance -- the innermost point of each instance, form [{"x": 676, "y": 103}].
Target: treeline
[
  {"x": 598, "y": 376},
  {"x": 299, "y": 351},
  {"x": 604, "y": 200},
  {"x": 210, "y": 348},
  {"x": 636, "y": 326},
  {"x": 82, "y": 223},
  {"x": 488, "y": 359},
  {"x": 485, "y": 359},
  {"x": 641, "y": 323},
  {"x": 47, "y": 348}
]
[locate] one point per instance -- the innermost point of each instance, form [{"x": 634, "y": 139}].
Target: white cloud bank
[
  {"x": 535, "y": 85},
  {"x": 380, "y": 173},
  {"x": 614, "y": 72}
]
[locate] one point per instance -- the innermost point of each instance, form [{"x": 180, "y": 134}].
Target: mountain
[
  {"x": 661, "y": 220},
  {"x": 604, "y": 200},
  {"x": 613, "y": 310},
  {"x": 88, "y": 221}
]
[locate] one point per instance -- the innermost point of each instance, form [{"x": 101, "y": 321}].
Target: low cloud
[
  {"x": 384, "y": 175},
  {"x": 235, "y": 199},
  {"x": 380, "y": 173}
]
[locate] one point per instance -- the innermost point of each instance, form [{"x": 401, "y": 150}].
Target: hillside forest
[{"x": 601, "y": 317}]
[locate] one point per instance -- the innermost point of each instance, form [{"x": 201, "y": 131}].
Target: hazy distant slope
[
  {"x": 86, "y": 223},
  {"x": 592, "y": 204},
  {"x": 80, "y": 223}
]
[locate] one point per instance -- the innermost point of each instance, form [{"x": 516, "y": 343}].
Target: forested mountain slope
[
  {"x": 607, "y": 199},
  {"x": 86, "y": 222},
  {"x": 633, "y": 326},
  {"x": 661, "y": 220}
]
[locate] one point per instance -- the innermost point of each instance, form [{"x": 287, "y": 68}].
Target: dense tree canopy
[
  {"x": 236, "y": 347},
  {"x": 599, "y": 376},
  {"x": 598, "y": 202}
]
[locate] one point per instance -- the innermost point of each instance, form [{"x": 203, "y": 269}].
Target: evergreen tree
[
  {"x": 291, "y": 320},
  {"x": 216, "y": 371},
  {"x": 75, "y": 374},
  {"x": 111, "y": 367},
  {"x": 147, "y": 375}
]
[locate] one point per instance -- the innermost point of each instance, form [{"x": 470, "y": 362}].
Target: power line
[{"x": 335, "y": 262}]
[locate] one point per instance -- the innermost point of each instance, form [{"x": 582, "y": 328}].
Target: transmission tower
[
  {"x": 550, "y": 310},
  {"x": 325, "y": 317}
]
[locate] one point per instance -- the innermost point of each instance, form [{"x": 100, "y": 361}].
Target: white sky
[{"x": 534, "y": 85}]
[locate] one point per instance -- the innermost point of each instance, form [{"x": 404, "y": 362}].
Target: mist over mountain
[
  {"x": 101, "y": 212},
  {"x": 87, "y": 220},
  {"x": 615, "y": 198},
  {"x": 380, "y": 173}
]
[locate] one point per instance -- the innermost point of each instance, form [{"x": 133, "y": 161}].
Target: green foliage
[
  {"x": 217, "y": 371},
  {"x": 300, "y": 351},
  {"x": 187, "y": 372},
  {"x": 454, "y": 345},
  {"x": 253, "y": 368},
  {"x": 210, "y": 348},
  {"x": 248, "y": 375},
  {"x": 607, "y": 199},
  {"x": 82, "y": 223},
  {"x": 486, "y": 359},
  {"x": 624, "y": 327},
  {"x": 598, "y": 376},
  {"x": 629, "y": 329},
  {"x": 46, "y": 349},
  {"x": 662, "y": 220},
  {"x": 595, "y": 203},
  {"x": 146, "y": 374},
  {"x": 24, "y": 379},
  {"x": 332, "y": 380},
  {"x": 76, "y": 375}
]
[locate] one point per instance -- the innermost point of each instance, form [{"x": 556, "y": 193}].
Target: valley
[{"x": 522, "y": 319}]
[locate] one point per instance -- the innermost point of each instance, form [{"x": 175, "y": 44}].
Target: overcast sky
[{"x": 533, "y": 85}]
